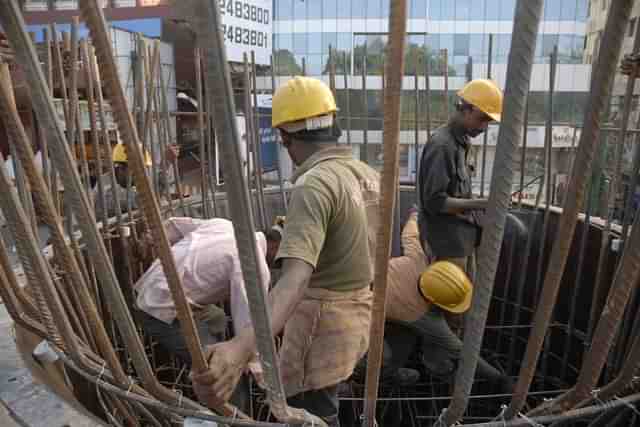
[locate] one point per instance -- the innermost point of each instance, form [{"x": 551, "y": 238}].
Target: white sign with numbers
[{"x": 247, "y": 26}]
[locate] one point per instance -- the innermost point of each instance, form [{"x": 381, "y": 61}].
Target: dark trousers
[
  {"x": 323, "y": 403},
  {"x": 170, "y": 338}
]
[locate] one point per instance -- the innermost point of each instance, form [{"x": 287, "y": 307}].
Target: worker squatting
[{"x": 321, "y": 303}]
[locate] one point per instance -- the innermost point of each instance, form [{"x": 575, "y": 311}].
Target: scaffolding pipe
[
  {"x": 388, "y": 193},
  {"x": 520, "y": 65},
  {"x": 589, "y": 141}
]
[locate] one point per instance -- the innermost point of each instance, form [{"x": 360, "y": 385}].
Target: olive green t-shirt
[{"x": 332, "y": 219}]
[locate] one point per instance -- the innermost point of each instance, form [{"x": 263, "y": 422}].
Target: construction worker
[
  {"x": 323, "y": 298},
  {"x": 206, "y": 256},
  {"x": 448, "y": 212},
  {"x": 121, "y": 169},
  {"x": 418, "y": 297}
]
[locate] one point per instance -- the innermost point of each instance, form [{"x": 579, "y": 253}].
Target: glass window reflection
[
  {"x": 568, "y": 11},
  {"x": 508, "y": 9},
  {"x": 300, "y": 43},
  {"x": 461, "y": 44},
  {"x": 284, "y": 9},
  {"x": 314, "y": 43},
  {"x": 358, "y": 8},
  {"x": 418, "y": 9},
  {"x": 463, "y": 10},
  {"x": 329, "y": 9},
  {"x": 314, "y": 9},
  {"x": 299, "y": 9},
  {"x": 374, "y": 9},
  {"x": 329, "y": 40},
  {"x": 492, "y": 10},
  {"x": 477, "y": 10}
]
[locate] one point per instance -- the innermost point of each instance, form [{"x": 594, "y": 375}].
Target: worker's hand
[
  {"x": 227, "y": 361},
  {"x": 173, "y": 151}
]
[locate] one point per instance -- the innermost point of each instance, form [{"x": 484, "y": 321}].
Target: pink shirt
[{"x": 207, "y": 259}]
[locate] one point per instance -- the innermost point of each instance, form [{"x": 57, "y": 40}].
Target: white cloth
[{"x": 206, "y": 256}]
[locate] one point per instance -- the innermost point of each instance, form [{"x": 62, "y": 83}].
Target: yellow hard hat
[
  {"x": 302, "y": 98},
  {"x": 484, "y": 95},
  {"x": 444, "y": 284},
  {"x": 119, "y": 155}
]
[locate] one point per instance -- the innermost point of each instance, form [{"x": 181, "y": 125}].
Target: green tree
[{"x": 286, "y": 64}]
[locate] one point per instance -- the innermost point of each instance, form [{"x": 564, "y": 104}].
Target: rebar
[
  {"x": 520, "y": 65},
  {"x": 201, "y": 136},
  {"x": 205, "y": 16},
  {"x": 257, "y": 145},
  {"x": 388, "y": 193},
  {"x": 485, "y": 137},
  {"x": 276, "y": 135},
  {"x": 589, "y": 139},
  {"x": 14, "y": 27},
  {"x": 617, "y": 169}
]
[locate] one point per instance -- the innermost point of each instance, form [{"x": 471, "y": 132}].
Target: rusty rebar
[
  {"x": 485, "y": 137},
  {"x": 388, "y": 191},
  {"x": 589, "y": 141},
  {"x": 520, "y": 66}
]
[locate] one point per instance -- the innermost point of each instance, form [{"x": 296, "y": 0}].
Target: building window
[
  {"x": 553, "y": 10},
  {"x": 477, "y": 10},
  {"x": 314, "y": 10},
  {"x": 569, "y": 10},
  {"x": 463, "y": 10},
  {"x": 330, "y": 9},
  {"x": 461, "y": 44},
  {"x": 284, "y": 9},
  {"x": 418, "y": 9}
]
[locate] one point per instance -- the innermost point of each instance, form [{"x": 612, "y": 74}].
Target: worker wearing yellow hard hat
[
  {"x": 448, "y": 208},
  {"x": 325, "y": 254}
]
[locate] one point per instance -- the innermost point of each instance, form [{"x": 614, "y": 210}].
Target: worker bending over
[
  {"x": 323, "y": 298},
  {"x": 419, "y": 296},
  {"x": 206, "y": 257},
  {"x": 448, "y": 212}
]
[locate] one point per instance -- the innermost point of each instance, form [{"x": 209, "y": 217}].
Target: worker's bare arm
[
  {"x": 454, "y": 205},
  {"x": 228, "y": 360}
]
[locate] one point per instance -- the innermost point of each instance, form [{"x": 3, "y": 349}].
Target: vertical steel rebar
[
  {"x": 596, "y": 307},
  {"x": 206, "y": 209},
  {"x": 445, "y": 61},
  {"x": 206, "y": 20},
  {"x": 347, "y": 96},
  {"x": 485, "y": 137},
  {"x": 388, "y": 194},
  {"x": 257, "y": 145},
  {"x": 364, "y": 148},
  {"x": 523, "y": 154},
  {"x": 520, "y": 65},
  {"x": 276, "y": 136},
  {"x": 171, "y": 139},
  {"x": 14, "y": 27},
  {"x": 618, "y": 17},
  {"x": 416, "y": 120}
]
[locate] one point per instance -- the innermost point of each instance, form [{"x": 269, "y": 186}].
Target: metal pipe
[
  {"x": 485, "y": 137},
  {"x": 332, "y": 71},
  {"x": 520, "y": 65},
  {"x": 276, "y": 136},
  {"x": 206, "y": 20},
  {"x": 589, "y": 139},
  {"x": 252, "y": 182},
  {"x": 427, "y": 104},
  {"x": 388, "y": 194}
]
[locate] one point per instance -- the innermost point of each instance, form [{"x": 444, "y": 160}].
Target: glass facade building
[{"x": 453, "y": 38}]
